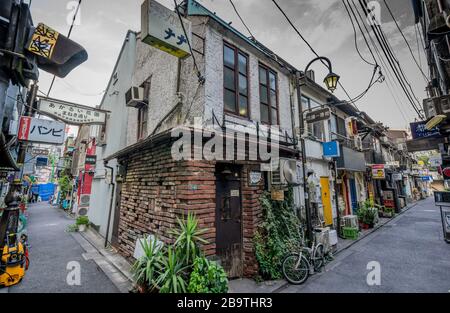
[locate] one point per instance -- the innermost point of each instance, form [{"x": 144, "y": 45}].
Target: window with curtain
[
  {"x": 235, "y": 72},
  {"x": 268, "y": 95}
]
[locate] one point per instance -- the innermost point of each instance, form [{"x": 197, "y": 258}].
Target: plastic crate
[{"x": 350, "y": 233}]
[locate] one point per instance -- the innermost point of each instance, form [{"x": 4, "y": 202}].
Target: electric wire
[
  {"x": 389, "y": 80},
  {"x": 242, "y": 20},
  {"x": 406, "y": 41},
  {"x": 311, "y": 48},
  {"x": 199, "y": 75},
  {"x": 355, "y": 36},
  {"x": 68, "y": 36},
  {"x": 389, "y": 57}
]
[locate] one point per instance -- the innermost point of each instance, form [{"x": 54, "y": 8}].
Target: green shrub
[
  {"x": 277, "y": 235},
  {"x": 82, "y": 220},
  {"x": 207, "y": 277}
]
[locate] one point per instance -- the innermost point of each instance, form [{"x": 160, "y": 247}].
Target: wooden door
[
  {"x": 229, "y": 220},
  {"x": 326, "y": 201}
]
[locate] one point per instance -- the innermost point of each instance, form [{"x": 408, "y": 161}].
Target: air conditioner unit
[
  {"x": 288, "y": 173},
  {"x": 358, "y": 143},
  {"x": 134, "y": 97},
  {"x": 82, "y": 211},
  {"x": 84, "y": 200}
]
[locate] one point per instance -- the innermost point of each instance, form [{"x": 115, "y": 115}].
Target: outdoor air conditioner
[
  {"x": 430, "y": 107},
  {"x": 358, "y": 143},
  {"x": 84, "y": 200},
  {"x": 134, "y": 97},
  {"x": 82, "y": 211},
  {"x": 287, "y": 173}
]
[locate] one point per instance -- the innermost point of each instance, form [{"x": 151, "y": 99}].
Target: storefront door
[
  {"x": 229, "y": 219},
  {"x": 326, "y": 201},
  {"x": 353, "y": 195}
]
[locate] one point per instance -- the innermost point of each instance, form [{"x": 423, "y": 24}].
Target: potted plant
[
  {"x": 370, "y": 217},
  {"x": 82, "y": 222},
  {"x": 362, "y": 212},
  {"x": 147, "y": 269}
]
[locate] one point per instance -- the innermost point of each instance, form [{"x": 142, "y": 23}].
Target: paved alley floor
[
  {"x": 410, "y": 250},
  {"x": 52, "y": 248}
]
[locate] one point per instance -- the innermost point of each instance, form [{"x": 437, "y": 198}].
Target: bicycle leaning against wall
[{"x": 298, "y": 265}]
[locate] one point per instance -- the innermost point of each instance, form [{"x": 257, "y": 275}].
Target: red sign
[
  {"x": 446, "y": 171},
  {"x": 24, "y": 129}
]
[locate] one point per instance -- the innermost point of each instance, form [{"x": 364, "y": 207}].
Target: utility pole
[{"x": 298, "y": 77}]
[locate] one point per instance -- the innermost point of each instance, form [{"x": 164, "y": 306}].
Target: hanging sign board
[
  {"x": 161, "y": 28},
  {"x": 71, "y": 113},
  {"x": 38, "y": 151},
  {"x": 90, "y": 159},
  {"x": 318, "y": 115},
  {"x": 277, "y": 195},
  {"x": 42, "y": 131},
  {"x": 378, "y": 171},
  {"x": 255, "y": 178}
]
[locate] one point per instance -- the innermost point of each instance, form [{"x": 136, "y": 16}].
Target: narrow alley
[
  {"x": 51, "y": 249},
  {"x": 412, "y": 254}
]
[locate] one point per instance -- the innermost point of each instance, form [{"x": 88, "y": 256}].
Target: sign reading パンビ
[
  {"x": 71, "y": 113},
  {"x": 42, "y": 131},
  {"x": 161, "y": 28}
]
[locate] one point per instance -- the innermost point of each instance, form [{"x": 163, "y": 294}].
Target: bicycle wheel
[
  {"x": 296, "y": 275},
  {"x": 318, "y": 258}
]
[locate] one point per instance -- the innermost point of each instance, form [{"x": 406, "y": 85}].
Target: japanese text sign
[
  {"x": 71, "y": 113},
  {"x": 161, "y": 28},
  {"x": 42, "y": 131}
]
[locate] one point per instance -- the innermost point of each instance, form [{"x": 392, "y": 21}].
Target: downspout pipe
[{"x": 113, "y": 185}]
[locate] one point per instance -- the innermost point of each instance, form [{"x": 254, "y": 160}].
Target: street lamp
[{"x": 331, "y": 81}]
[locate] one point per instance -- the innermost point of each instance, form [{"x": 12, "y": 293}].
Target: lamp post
[{"x": 331, "y": 81}]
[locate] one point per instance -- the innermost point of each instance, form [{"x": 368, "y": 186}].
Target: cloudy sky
[{"x": 324, "y": 23}]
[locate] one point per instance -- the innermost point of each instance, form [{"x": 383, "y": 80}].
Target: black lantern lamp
[{"x": 332, "y": 79}]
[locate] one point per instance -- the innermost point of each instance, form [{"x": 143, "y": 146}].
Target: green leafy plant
[
  {"x": 173, "y": 275},
  {"x": 188, "y": 239},
  {"x": 82, "y": 220},
  {"x": 278, "y": 233},
  {"x": 207, "y": 277},
  {"x": 72, "y": 228},
  {"x": 146, "y": 270}
]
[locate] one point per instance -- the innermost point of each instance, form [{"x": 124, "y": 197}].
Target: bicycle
[{"x": 297, "y": 266}]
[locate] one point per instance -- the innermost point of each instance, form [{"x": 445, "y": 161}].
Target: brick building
[{"x": 246, "y": 88}]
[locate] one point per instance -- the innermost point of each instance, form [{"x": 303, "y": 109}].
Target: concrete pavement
[
  {"x": 412, "y": 254},
  {"x": 52, "y": 248}
]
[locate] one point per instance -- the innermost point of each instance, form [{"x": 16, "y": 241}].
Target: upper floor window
[
  {"x": 235, "y": 81},
  {"x": 268, "y": 95},
  {"x": 142, "y": 122}
]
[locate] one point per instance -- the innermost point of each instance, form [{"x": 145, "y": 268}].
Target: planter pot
[
  {"x": 365, "y": 226},
  {"x": 81, "y": 228}
]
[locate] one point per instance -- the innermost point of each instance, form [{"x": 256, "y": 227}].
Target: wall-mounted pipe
[{"x": 113, "y": 185}]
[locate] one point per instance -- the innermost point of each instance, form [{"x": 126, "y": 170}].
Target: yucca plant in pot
[
  {"x": 188, "y": 239},
  {"x": 146, "y": 270},
  {"x": 173, "y": 278}
]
